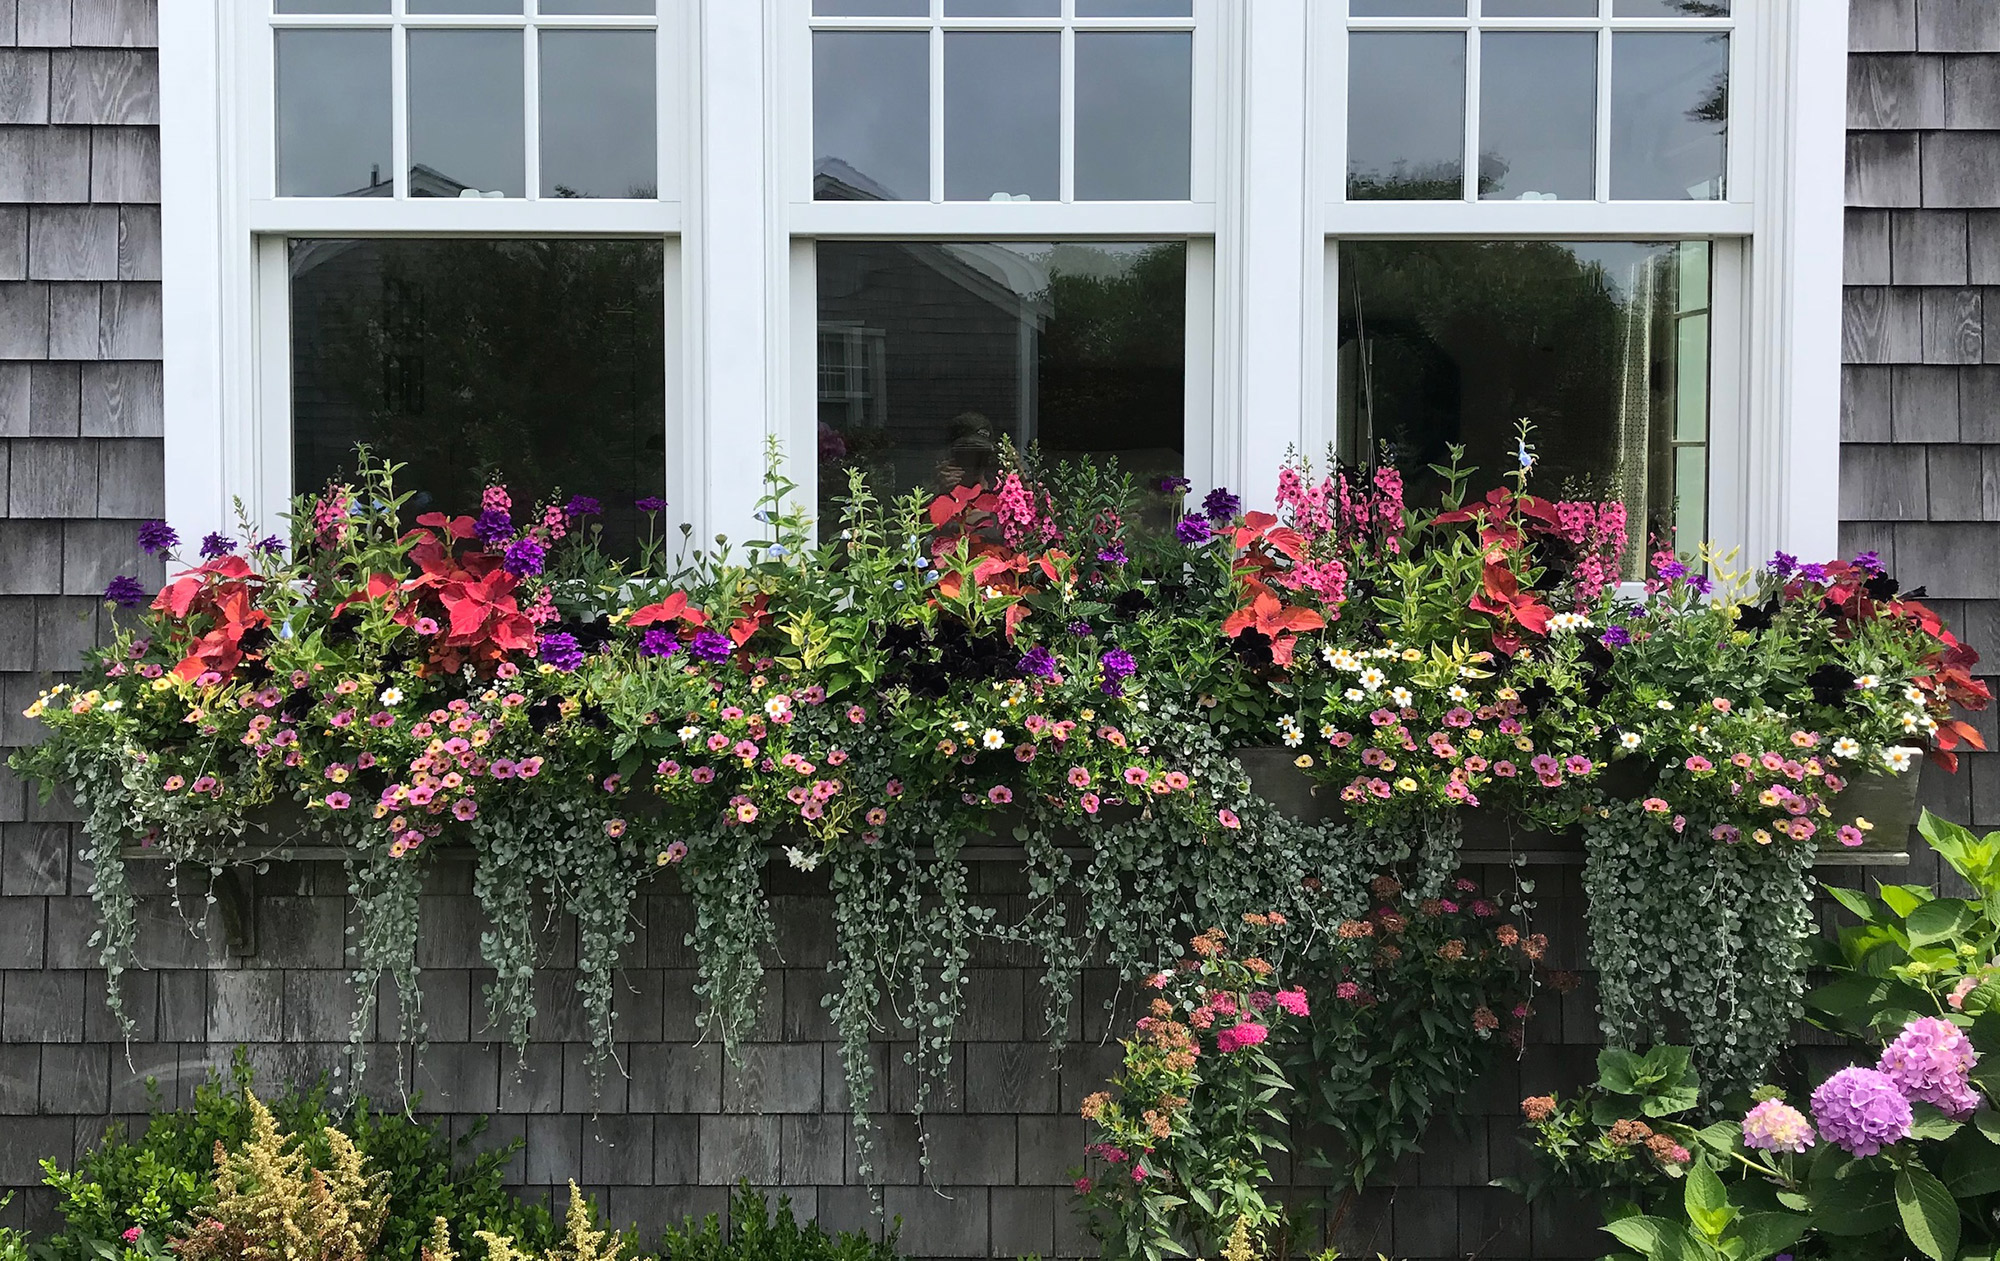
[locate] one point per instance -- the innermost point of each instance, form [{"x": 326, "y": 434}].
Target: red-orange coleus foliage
[
  {"x": 483, "y": 619},
  {"x": 967, "y": 514},
  {"x": 1505, "y": 521},
  {"x": 216, "y": 603}
]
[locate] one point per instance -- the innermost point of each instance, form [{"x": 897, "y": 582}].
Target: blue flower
[
  {"x": 125, "y": 592},
  {"x": 156, "y": 538}
]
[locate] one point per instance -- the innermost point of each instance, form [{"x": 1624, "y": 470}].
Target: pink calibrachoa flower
[
  {"x": 894, "y": 788},
  {"x": 528, "y": 768},
  {"x": 338, "y": 801},
  {"x": 615, "y": 828},
  {"x": 1136, "y": 775},
  {"x": 1655, "y": 805},
  {"x": 674, "y": 852},
  {"x": 1078, "y": 777},
  {"x": 856, "y": 715},
  {"x": 1851, "y": 836},
  {"x": 746, "y": 813},
  {"x": 1227, "y": 818},
  {"x": 1089, "y": 803},
  {"x": 1699, "y": 764},
  {"x": 1775, "y": 1126},
  {"x": 465, "y": 810}
]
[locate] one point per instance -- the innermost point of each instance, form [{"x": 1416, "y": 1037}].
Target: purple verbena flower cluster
[
  {"x": 709, "y": 646},
  {"x": 1118, "y": 666},
  {"x": 583, "y": 506},
  {"x": 216, "y": 545},
  {"x": 1193, "y": 531},
  {"x": 125, "y": 591},
  {"x": 156, "y": 538},
  {"x": 525, "y": 558},
  {"x": 560, "y": 649},
  {"x": 1220, "y": 506},
  {"x": 493, "y": 527},
  {"x": 1038, "y": 663},
  {"x": 658, "y": 641}
]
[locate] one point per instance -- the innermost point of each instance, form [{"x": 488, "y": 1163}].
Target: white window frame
[
  {"x": 742, "y": 336},
  {"x": 936, "y": 219}
]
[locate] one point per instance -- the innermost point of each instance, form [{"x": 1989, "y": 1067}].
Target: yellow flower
[
  {"x": 1406, "y": 784},
  {"x": 1524, "y": 744},
  {"x": 162, "y": 683},
  {"x": 33, "y": 711},
  {"x": 1302, "y": 761}
]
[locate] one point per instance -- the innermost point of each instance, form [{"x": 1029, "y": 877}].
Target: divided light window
[
  {"x": 1610, "y": 320},
  {"x": 1009, "y": 226}
]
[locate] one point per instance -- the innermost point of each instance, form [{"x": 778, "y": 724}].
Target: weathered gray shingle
[
  {"x": 122, "y": 400},
  {"x": 1961, "y": 168},
  {"x": 73, "y": 321},
  {"x": 44, "y": 164},
  {"x": 43, "y": 23},
  {"x": 1979, "y": 404},
  {"x": 73, "y": 243},
  {"x": 1928, "y": 247},
  {"x": 13, "y": 242},
  {"x": 24, "y": 320},
  {"x": 95, "y": 552},
  {"x": 1958, "y": 26},
  {"x": 104, "y": 86},
  {"x": 1971, "y": 90},
  {"x": 115, "y": 24},
  {"x": 131, "y": 322},
  {"x": 30, "y": 556},
  {"x": 24, "y": 85},
  {"x": 138, "y": 243},
  {"x": 49, "y": 477},
  {"x": 124, "y": 165},
  {"x": 1865, "y": 403},
  {"x": 1882, "y": 483},
  {"x": 1882, "y": 25},
  {"x": 54, "y": 400},
  {"x": 1883, "y": 169},
  {"x": 14, "y": 379},
  {"x": 1867, "y": 247},
  {"x": 131, "y": 478},
  {"x": 1983, "y": 249},
  {"x": 1895, "y": 91},
  {"x": 1882, "y": 325},
  {"x": 1926, "y": 404},
  {"x": 1954, "y": 325},
  {"x": 1962, "y": 486}
]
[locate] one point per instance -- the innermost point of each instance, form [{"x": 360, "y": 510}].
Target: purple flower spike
[
  {"x": 156, "y": 538},
  {"x": 561, "y": 650}
]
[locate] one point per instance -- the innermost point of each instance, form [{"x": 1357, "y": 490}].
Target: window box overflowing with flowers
[{"x": 1019, "y": 657}]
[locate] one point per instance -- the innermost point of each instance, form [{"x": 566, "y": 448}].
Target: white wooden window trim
[{"x": 1269, "y": 161}]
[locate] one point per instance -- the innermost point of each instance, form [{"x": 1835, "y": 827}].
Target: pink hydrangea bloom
[
  {"x": 1931, "y": 1061},
  {"x": 1775, "y": 1126},
  {"x": 1861, "y": 1111}
]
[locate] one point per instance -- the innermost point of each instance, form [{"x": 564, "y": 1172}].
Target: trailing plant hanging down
[{"x": 1022, "y": 660}]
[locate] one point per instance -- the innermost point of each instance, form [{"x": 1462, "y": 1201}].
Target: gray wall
[{"x": 80, "y": 465}]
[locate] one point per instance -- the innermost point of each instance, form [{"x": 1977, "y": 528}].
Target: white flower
[
  {"x": 776, "y": 707},
  {"x": 1326, "y": 731},
  {"x": 1401, "y": 696},
  {"x": 1847, "y": 747},
  {"x": 1900, "y": 758},
  {"x": 1629, "y": 739},
  {"x": 392, "y": 696},
  {"x": 1294, "y": 737},
  {"x": 1340, "y": 658},
  {"x": 800, "y": 859},
  {"x": 1867, "y": 682},
  {"x": 1354, "y": 694},
  {"x": 1372, "y": 678},
  {"x": 688, "y": 733},
  {"x": 961, "y": 726},
  {"x": 1458, "y": 693},
  {"x": 1913, "y": 696},
  {"x": 1663, "y": 704},
  {"x": 113, "y": 706},
  {"x": 992, "y": 738},
  {"x": 1568, "y": 622}
]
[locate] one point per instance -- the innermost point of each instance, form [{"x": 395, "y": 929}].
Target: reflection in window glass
[
  {"x": 1406, "y": 116},
  {"x": 1669, "y": 116},
  {"x": 564, "y": 8},
  {"x": 1602, "y": 346},
  {"x": 872, "y": 8},
  {"x": 465, "y": 6},
  {"x": 1537, "y": 116},
  {"x": 332, "y": 6},
  {"x": 1670, "y": 8},
  {"x": 1538, "y": 8},
  {"x": 871, "y": 116},
  {"x": 1135, "y": 8},
  {"x": 931, "y": 354},
  {"x": 1406, "y": 8},
  {"x": 1002, "y": 115},
  {"x": 540, "y": 363},
  {"x": 333, "y": 91},
  {"x": 1002, "y": 8},
  {"x": 466, "y": 130},
  {"x": 598, "y": 115},
  {"x": 1134, "y": 115}
]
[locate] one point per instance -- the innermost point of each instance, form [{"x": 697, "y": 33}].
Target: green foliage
[
  {"x": 757, "y": 1233},
  {"x": 161, "y": 1180}
]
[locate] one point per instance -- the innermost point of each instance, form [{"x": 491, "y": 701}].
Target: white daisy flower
[
  {"x": 1900, "y": 758},
  {"x": 961, "y": 726},
  {"x": 992, "y": 738},
  {"x": 1372, "y": 678},
  {"x": 800, "y": 859},
  {"x": 1847, "y": 747},
  {"x": 392, "y": 696},
  {"x": 1354, "y": 694},
  {"x": 1867, "y": 682},
  {"x": 1401, "y": 696},
  {"x": 1663, "y": 704},
  {"x": 776, "y": 707},
  {"x": 1458, "y": 693},
  {"x": 1629, "y": 739},
  {"x": 687, "y": 734},
  {"x": 1294, "y": 738}
]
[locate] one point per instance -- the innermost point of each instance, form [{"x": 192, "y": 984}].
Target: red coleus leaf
[
  {"x": 672, "y": 609},
  {"x": 754, "y": 616},
  {"x": 455, "y": 527},
  {"x": 952, "y": 503},
  {"x": 1271, "y": 617}
]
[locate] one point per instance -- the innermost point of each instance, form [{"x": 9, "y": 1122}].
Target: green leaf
[
  {"x": 1857, "y": 1205},
  {"x": 1930, "y": 1214},
  {"x": 1860, "y": 903},
  {"x": 1904, "y": 899},
  {"x": 1988, "y": 1123},
  {"x": 1657, "y": 1238},
  {"x": 1707, "y": 1203},
  {"x": 1760, "y": 1235},
  {"x": 1971, "y": 1168},
  {"x": 1931, "y": 1124},
  {"x": 1943, "y": 920},
  {"x": 1619, "y": 1071}
]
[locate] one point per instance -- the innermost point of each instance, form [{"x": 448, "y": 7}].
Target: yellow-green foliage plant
[
  {"x": 271, "y": 1204},
  {"x": 581, "y": 1240}
]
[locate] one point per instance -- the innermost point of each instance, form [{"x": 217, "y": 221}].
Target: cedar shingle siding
[{"x": 80, "y": 465}]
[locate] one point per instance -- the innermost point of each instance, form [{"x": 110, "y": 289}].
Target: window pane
[
  {"x": 1406, "y": 116},
  {"x": 1002, "y": 115},
  {"x": 540, "y": 363},
  {"x": 872, "y": 8},
  {"x": 598, "y": 114},
  {"x": 1134, "y": 115},
  {"x": 871, "y": 115},
  {"x": 564, "y": 8},
  {"x": 931, "y": 354},
  {"x": 1453, "y": 342},
  {"x": 1669, "y": 116},
  {"x": 332, "y": 6},
  {"x": 1670, "y": 8},
  {"x": 1135, "y": 8},
  {"x": 1002, "y": 8},
  {"x": 466, "y": 130},
  {"x": 1406, "y": 8},
  {"x": 464, "y": 6},
  {"x": 1537, "y": 116},
  {"x": 333, "y": 114},
  {"x": 1539, "y": 9}
]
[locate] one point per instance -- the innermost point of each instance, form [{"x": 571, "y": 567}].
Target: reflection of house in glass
[{"x": 931, "y": 353}]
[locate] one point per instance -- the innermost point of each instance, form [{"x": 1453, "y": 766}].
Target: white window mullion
[
  {"x": 399, "y": 107},
  {"x": 1472, "y": 90},
  {"x": 531, "y": 107},
  {"x": 1066, "y": 112},
  {"x": 937, "y": 108},
  {"x": 1602, "y": 161}
]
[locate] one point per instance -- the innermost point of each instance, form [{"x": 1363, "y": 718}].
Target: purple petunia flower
[
  {"x": 1615, "y": 637},
  {"x": 1932, "y": 1060},
  {"x": 1193, "y": 531},
  {"x": 493, "y": 527},
  {"x": 1175, "y": 485},
  {"x": 658, "y": 642},
  {"x": 1784, "y": 564},
  {"x": 125, "y": 592},
  {"x": 216, "y": 545},
  {"x": 156, "y": 538},
  {"x": 525, "y": 558},
  {"x": 1860, "y": 1111},
  {"x": 709, "y": 646},
  {"x": 269, "y": 545},
  {"x": 1221, "y": 506},
  {"x": 560, "y": 650},
  {"x": 651, "y": 503},
  {"x": 1038, "y": 663},
  {"x": 1700, "y": 584},
  {"x": 1114, "y": 554},
  {"x": 583, "y": 506},
  {"x": 1813, "y": 573},
  {"x": 1870, "y": 562}
]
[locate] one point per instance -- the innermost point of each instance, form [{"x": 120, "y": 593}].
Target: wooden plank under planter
[{"x": 1887, "y": 801}]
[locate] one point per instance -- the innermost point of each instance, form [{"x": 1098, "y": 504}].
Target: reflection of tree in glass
[
  {"x": 1441, "y": 182},
  {"x": 540, "y": 363},
  {"x": 1113, "y": 351},
  {"x": 1467, "y": 338}
]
